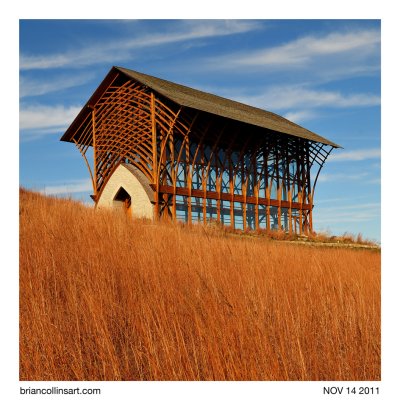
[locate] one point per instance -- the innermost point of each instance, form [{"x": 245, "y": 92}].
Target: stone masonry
[{"x": 137, "y": 186}]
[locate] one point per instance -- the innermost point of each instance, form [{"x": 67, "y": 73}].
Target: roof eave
[{"x": 88, "y": 107}]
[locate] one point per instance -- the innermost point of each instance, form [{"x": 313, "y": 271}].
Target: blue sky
[{"x": 323, "y": 74}]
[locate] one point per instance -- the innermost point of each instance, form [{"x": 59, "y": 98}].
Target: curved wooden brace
[
  {"x": 213, "y": 151},
  {"x": 184, "y": 145},
  {"x": 319, "y": 170},
  {"x": 165, "y": 141},
  {"x": 240, "y": 158},
  {"x": 227, "y": 156},
  {"x": 115, "y": 139},
  {"x": 87, "y": 165}
]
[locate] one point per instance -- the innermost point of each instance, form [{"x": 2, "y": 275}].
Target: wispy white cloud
[
  {"x": 289, "y": 97},
  {"x": 360, "y": 206},
  {"x": 344, "y": 177},
  {"x": 305, "y": 50},
  {"x": 300, "y": 116},
  {"x": 36, "y": 121},
  {"x": 118, "y": 50},
  {"x": 32, "y": 87},
  {"x": 361, "y": 178},
  {"x": 335, "y": 218},
  {"x": 356, "y": 155},
  {"x": 345, "y": 200},
  {"x": 337, "y": 215},
  {"x": 44, "y": 117},
  {"x": 78, "y": 186}
]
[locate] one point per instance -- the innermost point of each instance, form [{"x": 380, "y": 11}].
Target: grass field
[{"x": 103, "y": 297}]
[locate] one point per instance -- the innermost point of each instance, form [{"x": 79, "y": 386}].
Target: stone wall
[{"x": 137, "y": 186}]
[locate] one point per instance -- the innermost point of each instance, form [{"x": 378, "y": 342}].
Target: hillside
[{"x": 103, "y": 297}]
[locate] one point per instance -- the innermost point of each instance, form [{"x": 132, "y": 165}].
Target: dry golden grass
[{"x": 106, "y": 298}]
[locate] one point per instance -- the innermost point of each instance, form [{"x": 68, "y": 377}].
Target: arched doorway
[
  {"x": 136, "y": 187},
  {"x": 123, "y": 200}
]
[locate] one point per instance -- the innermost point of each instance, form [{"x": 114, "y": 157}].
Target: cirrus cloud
[
  {"x": 35, "y": 121},
  {"x": 356, "y": 155},
  {"x": 123, "y": 49},
  {"x": 289, "y": 97},
  {"x": 77, "y": 186},
  {"x": 304, "y": 50}
]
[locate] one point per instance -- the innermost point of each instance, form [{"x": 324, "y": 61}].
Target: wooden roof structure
[{"x": 211, "y": 103}]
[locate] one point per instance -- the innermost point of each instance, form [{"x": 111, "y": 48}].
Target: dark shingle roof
[
  {"x": 188, "y": 97},
  {"x": 196, "y": 99}
]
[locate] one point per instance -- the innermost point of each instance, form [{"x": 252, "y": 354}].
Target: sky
[{"x": 322, "y": 74}]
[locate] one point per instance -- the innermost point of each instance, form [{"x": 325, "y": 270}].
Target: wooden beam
[
  {"x": 199, "y": 193},
  {"x": 188, "y": 170},
  {"x": 244, "y": 193},
  {"x": 153, "y": 136},
  {"x": 94, "y": 151}
]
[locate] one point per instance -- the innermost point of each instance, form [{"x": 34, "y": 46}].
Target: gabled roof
[{"x": 210, "y": 103}]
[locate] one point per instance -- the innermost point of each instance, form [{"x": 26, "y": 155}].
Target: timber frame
[{"x": 207, "y": 158}]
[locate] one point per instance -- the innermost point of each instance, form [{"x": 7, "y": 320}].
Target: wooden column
[
  {"x": 218, "y": 182},
  {"x": 94, "y": 152},
  {"x": 309, "y": 195},
  {"x": 231, "y": 191},
  {"x": 287, "y": 187},
  {"x": 278, "y": 186},
  {"x": 188, "y": 173},
  {"x": 163, "y": 162},
  {"x": 174, "y": 176},
  {"x": 267, "y": 192},
  {"x": 244, "y": 192},
  {"x": 154, "y": 148},
  {"x": 256, "y": 187},
  {"x": 204, "y": 183},
  {"x": 301, "y": 192},
  {"x": 304, "y": 184}
]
